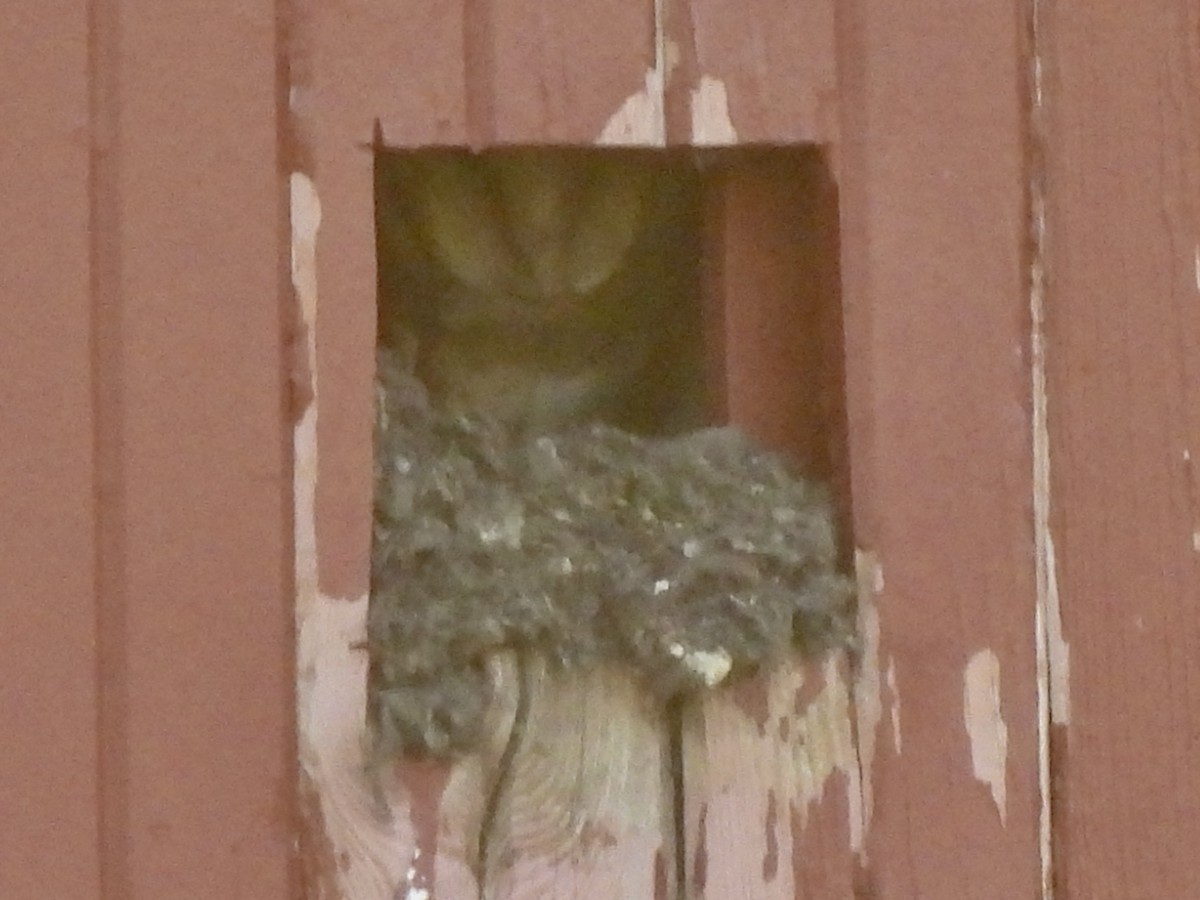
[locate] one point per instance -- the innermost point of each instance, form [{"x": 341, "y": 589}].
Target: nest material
[{"x": 687, "y": 559}]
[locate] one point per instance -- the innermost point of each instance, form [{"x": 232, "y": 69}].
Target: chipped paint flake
[
  {"x": 986, "y": 729},
  {"x": 711, "y": 124},
  {"x": 1053, "y": 651},
  {"x": 331, "y": 676},
  {"x": 822, "y": 744},
  {"x": 894, "y": 705},
  {"x": 306, "y": 220},
  {"x": 867, "y": 696},
  {"x": 641, "y": 120}
]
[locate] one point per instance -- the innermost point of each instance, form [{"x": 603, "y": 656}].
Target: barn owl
[{"x": 545, "y": 286}]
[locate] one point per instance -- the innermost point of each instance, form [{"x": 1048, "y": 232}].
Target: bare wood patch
[
  {"x": 587, "y": 809},
  {"x": 760, "y": 816}
]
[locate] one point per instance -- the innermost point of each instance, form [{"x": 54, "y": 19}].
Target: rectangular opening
[
  {"x": 550, "y": 288},
  {"x": 656, "y": 290},
  {"x": 547, "y": 287}
]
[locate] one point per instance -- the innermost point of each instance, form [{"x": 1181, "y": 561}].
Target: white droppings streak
[{"x": 985, "y": 726}]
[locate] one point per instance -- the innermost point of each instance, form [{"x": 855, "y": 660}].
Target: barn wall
[
  {"x": 933, "y": 167},
  {"x": 147, "y": 647},
  {"x": 48, "y": 690},
  {"x": 1018, "y": 194},
  {"x": 1120, "y": 118}
]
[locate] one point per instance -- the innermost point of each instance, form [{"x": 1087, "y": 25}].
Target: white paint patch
[
  {"x": 306, "y": 220},
  {"x": 868, "y": 699},
  {"x": 641, "y": 121},
  {"x": 894, "y": 706},
  {"x": 1052, "y": 658},
  {"x": 985, "y": 726},
  {"x": 1059, "y": 649},
  {"x": 1053, "y": 651},
  {"x": 331, "y": 676},
  {"x": 821, "y": 742},
  {"x": 711, "y": 124}
]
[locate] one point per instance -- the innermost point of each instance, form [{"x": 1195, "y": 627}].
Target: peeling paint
[
  {"x": 1054, "y": 660},
  {"x": 641, "y": 120},
  {"x": 711, "y": 124},
  {"x": 306, "y": 220},
  {"x": 894, "y": 705},
  {"x": 331, "y": 675},
  {"x": 822, "y": 743},
  {"x": 1052, "y": 654},
  {"x": 868, "y": 701},
  {"x": 986, "y": 729}
]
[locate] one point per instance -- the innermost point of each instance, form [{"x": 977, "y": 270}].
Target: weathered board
[
  {"x": 1017, "y": 191},
  {"x": 49, "y": 786},
  {"x": 495, "y": 73},
  {"x": 151, "y": 623},
  {"x": 1120, "y": 110},
  {"x": 768, "y": 765},
  {"x": 936, "y": 274}
]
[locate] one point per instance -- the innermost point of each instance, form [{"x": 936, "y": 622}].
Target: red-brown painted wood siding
[
  {"x": 1121, "y": 185},
  {"x": 1018, "y": 191},
  {"x": 148, "y": 688}
]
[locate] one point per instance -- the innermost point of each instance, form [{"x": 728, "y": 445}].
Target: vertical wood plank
[
  {"x": 394, "y": 74},
  {"x": 767, "y": 764},
  {"x": 1122, "y": 327},
  {"x": 195, "y": 634},
  {"x": 587, "y": 808},
  {"x": 936, "y": 308},
  {"x": 48, "y": 774},
  {"x": 753, "y": 72},
  {"x": 550, "y": 74},
  {"x": 473, "y": 73}
]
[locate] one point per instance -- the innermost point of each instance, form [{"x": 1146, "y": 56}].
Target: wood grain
[
  {"x": 1121, "y": 101},
  {"x": 768, "y": 764},
  {"x": 476, "y": 74},
  {"x": 587, "y": 810}
]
